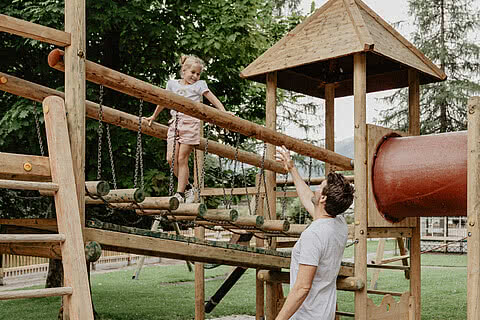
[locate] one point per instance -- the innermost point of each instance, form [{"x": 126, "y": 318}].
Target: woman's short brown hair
[{"x": 339, "y": 194}]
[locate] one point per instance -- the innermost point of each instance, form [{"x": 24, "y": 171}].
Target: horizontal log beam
[
  {"x": 161, "y": 203},
  {"x": 32, "y": 249},
  {"x": 119, "y": 196},
  {"x": 97, "y": 188},
  {"x": 28, "y": 185},
  {"x": 123, "y": 242},
  {"x": 36, "y": 293},
  {"x": 34, "y": 31},
  {"x": 24, "y": 167},
  {"x": 137, "y": 88},
  {"x": 313, "y": 181},
  {"x": 36, "y": 92},
  {"x": 16, "y": 238}
]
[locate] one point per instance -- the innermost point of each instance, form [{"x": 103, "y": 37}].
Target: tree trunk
[{"x": 55, "y": 274}]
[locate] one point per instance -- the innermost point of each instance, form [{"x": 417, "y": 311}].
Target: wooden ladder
[{"x": 76, "y": 292}]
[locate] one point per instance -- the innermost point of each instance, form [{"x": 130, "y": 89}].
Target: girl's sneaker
[
  {"x": 190, "y": 195},
  {"x": 179, "y": 197}
]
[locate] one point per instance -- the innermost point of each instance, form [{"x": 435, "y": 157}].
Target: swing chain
[
  {"x": 139, "y": 155},
  {"x": 205, "y": 152},
  {"x": 237, "y": 145},
  {"x": 100, "y": 134},
  {"x": 262, "y": 170},
  {"x": 284, "y": 200},
  {"x": 172, "y": 166},
  {"x": 37, "y": 125},
  {"x": 110, "y": 152},
  {"x": 246, "y": 188}
]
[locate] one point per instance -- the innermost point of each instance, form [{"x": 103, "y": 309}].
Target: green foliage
[{"x": 446, "y": 32}]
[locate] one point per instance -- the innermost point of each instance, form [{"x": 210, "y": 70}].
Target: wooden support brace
[{"x": 162, "y": 203}]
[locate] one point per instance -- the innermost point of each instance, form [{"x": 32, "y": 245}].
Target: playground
[{"x": 398, "y": 177}]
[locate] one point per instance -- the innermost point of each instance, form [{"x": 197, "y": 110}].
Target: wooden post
[
  {"x": 361, "y": 181},
  {"x": 414, "y": 129},
  {"x": 1, "y": 269},
  {"x": 199, "y": 281},
  {"x": 473, "y": 212},
  {"x": 75, "y": 93},
  {"x": 141, "y": 261},
  {"x": 79, "y": 304},
  {"x": 378, "y": 260},
  {"x": 329, "y": 122},
  {"x": 271, "y": 123},
  {"x": 260, "y": 243}
]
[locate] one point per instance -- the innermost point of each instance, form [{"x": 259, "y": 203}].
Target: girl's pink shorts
[{"x": 188, "y": 131}]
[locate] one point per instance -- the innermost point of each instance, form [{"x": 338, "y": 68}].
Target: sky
[{"x": 390, "y": 11}]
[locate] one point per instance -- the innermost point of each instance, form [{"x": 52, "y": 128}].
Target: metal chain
[
  {"x": 100, "y": 134},
  {"x": 172, "y": 167},
  {"x": 246, "y": 188},
  {"x": 138, "y": 155},
  {"x": 205, "y": 152},
  {"x": 37, "y": 125},
  {"x": 237, "y": 145},
  {"x": 262, "y": 166},
  {"x": 110, "y": 152},
  {"x": 222, "y": 177},
  {"x": 309, "y": 182},
  {"x": 284, "y": 200}
]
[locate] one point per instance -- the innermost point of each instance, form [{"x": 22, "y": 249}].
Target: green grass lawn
[{"x": 167, "y": 292}]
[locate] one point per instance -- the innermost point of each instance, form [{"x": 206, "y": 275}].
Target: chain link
[
  {"x": 110, "y": 153},
  {"x": 37, "y": 125},
  {"x": 172, "y": 167},
  {"x": 262, "y": 167},
  {"x": 284, "y": 200},
  {"x": 139, "y": 155},
  {"x": 100, "y": 134}
]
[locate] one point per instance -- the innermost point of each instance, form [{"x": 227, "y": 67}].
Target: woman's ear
[{"x": 323, "y": 199}]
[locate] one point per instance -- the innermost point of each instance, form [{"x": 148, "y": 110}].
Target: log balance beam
[
  {"x": 142, "y": 90},
  {"x": 36, "y": 92}
]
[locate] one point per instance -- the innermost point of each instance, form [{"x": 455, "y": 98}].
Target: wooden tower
[{"x": 344, "y": 49}]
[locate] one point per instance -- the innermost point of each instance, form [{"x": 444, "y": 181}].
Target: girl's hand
[
  {"x": 283, "y": 155},
  {"x": 150, "y": 120}
]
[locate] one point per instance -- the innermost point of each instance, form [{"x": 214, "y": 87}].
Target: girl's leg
[
  {"x": 170, "y": 156},
  {"x": 184, "y": 151}
]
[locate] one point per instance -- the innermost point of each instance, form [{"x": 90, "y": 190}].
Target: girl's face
[{"x": 191, "y": 74}]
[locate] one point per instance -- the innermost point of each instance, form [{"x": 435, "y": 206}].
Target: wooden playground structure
[{"x": 342, "y": 49}]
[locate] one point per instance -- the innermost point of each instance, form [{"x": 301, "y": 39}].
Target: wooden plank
[
  {"x": 156, "y": 95},
  {"x": 473, "y": 203},
  {"x": 34, "y": 31},
  {"x": 37, "y": 293},
  {"x": 389, "y": 232},
  {"x": 199, "y": 281},
  {"x": 24, "y": 167},
  {"x": 378, "y": 260},
  {"x": 75, "y": 93},
  {"x": 69, "y": 220},
  {"x": 415, "y": 243},
  {"x": 361, "y": 29},
  {"x": 329, "y": 123},
  {"x": 228, "y": 191},
  {"x": 271, "y": 123},
  {"x": 130, "y": 243},
  {"x": 125, "y": 120},
  {"x": 15, "y": 238},
  {"x": 32, "y": 249},
  {"x": 28, "y": 185},
  {"x": 389, "y": 308},
  {"x": 361, "y": 182}
]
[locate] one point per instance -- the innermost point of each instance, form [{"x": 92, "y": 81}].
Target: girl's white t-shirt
[{"x": 194, "y": 91}]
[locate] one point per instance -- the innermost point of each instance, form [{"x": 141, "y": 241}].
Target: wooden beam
[
  {"x": 473, "y": 214},
  {"x": 119, "y": 196},
  {"x": 36, "y": 293},
  {"x": 128, "y": 121},
  {"x": 313, "y": 181},
  {"x": 24, "y": 167},
  {"x": 329, "y": 122},
  {"x": 161, "y": 203},
  {"x": 32, "y": 249},
  {"x": 68, "y": 211},
  {"x": 415, "y": 255},
  {"x": 156, "y": 95},
  {"x": 361, "y": 189},
  {"x": 34, "y": 31},
  {"x": 28, "y": 185},
  {"x": 75, "y": 93},
  {"x": 199, "y": 281},
  {"x": 18, "y": 238},
  {"x": 123, "y": 242}
]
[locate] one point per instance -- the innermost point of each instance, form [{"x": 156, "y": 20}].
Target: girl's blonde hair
[{"x": 188, "y": 60}]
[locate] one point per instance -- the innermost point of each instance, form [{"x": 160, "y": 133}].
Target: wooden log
[
  {"x": 249, "y": 221},
  {"x": 93, "y": 251},
  {"x": 24, "y": 167},
  {"x": 296, "y": 229},
  {"x": 384, "y": 293},
  {"x": 393, "y": 259},
  {"x": 313, "y": 181},
  {"x": 275, "y": 225},
  {"x": 37, "y": 293},
  {"x": 329, "y": 122},
  {"x": 148, "y": 92},
  {"x": 119, "y": 196},
  {"x": 28, "y": 185},
  {"x": 228, "y": 191},
  {"x": 199, "y": 281},
  {"x": 360, "y": 172},
  {"x": 97, "y": 188},
  {"x": 190, "y": 209},
  {"x": 69, "y": 213},
  {"x": 343, "y": 283},
  {"x": 220, "y": 215},
  {"x": 473, "y": 214},
  {"x": 125, "y": 120},
  {"x": 32, "y": 249},
  {"x": 163, "y": 203},
  {"x": 15, "y": 238},
  {"x": 34, "y": 31}
]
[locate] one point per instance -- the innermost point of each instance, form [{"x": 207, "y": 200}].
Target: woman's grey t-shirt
[{"x": 321, "y": 245}]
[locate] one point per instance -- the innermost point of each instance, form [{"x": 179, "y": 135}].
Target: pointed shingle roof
[{"x": 320, "y": 50}]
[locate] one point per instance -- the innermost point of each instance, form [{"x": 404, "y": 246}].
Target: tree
[{"x": 445, "y": 33}]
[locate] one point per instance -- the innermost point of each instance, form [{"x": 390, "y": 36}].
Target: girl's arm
[
  {"x": 158, "y": 109},
  {"x": 214, "y": 100}
]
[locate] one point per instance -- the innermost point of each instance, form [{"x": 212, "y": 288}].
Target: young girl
[{"x": 188, "y": 128}]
